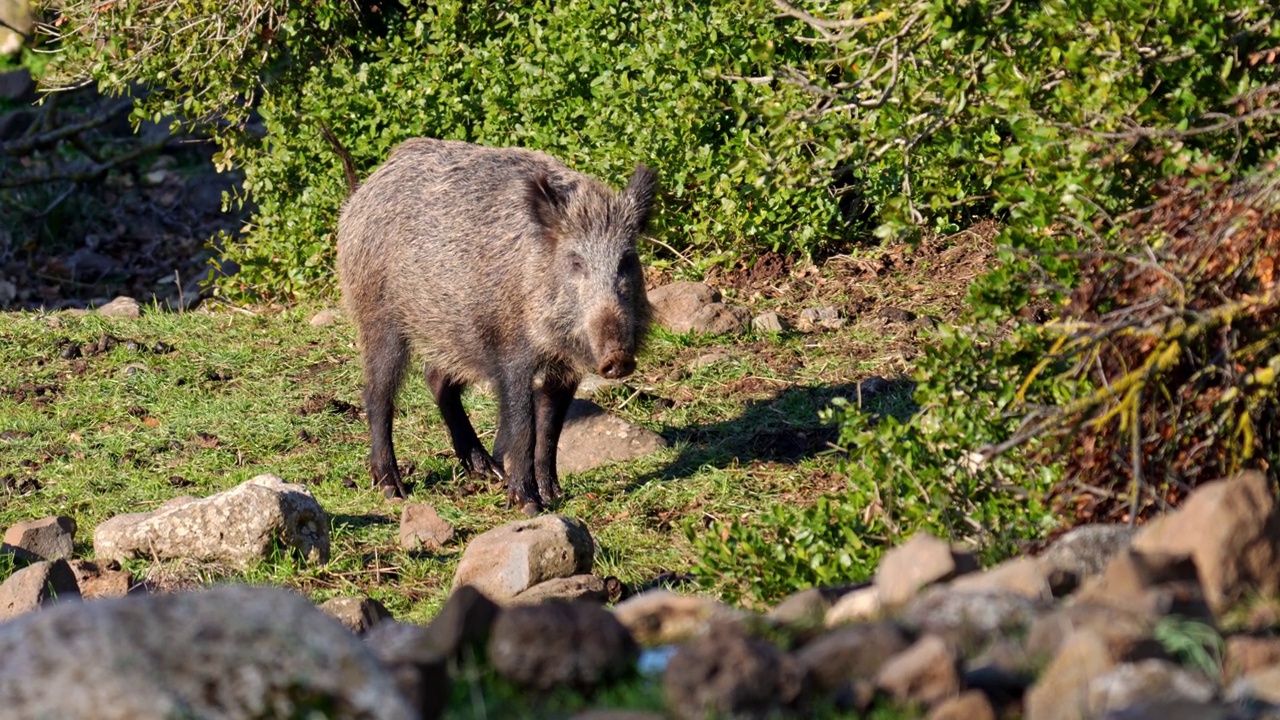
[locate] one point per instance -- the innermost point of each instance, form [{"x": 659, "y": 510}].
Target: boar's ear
[
  {"x": 546, "y": 202},
  {"x": 638, "y": 197}
]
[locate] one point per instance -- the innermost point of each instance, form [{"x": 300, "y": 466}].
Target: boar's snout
[{"x": 617, "y": 365}]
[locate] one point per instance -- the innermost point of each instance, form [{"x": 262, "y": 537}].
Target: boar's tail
[{"x": 348, "y": 166}]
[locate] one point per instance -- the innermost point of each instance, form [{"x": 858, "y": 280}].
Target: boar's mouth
[{"x": 617, "y": 365}]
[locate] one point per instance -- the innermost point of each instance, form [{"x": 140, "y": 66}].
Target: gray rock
[
  {"x": 1182, "y": 710},
  {"x": 851, "y": 654},
  {"x": 820, "y": 318},
  {"x": 920, "y": 561},
  {"x": 592, "y": 438},
  {"x": 674, "y": 304},
  {"x": 50, "y": 538},
  {"x": 859, "y": 605},
  {"x": 1020, "y": 576},
  {"x": 422, "y": 527},
  {"x": 420, "y": 672},
  {"x": 726, "y": 673},
  {"x": 803, "y": 609},
  {"x": 968, "y": 619},
  {"x": 709, "y": 358},
  {"x": 560, "y": 644},
  {"x": 587, "y": 588},
  {"x": 122, "y": 307},
  {"x": 357, "y": 614},
  {"x": 233, "y": 651},
  {"x": 1134, "y": 683},
  {"x": 1062, "y": 690},
  {"x": 769, "y": 322},
  {"x": 462, "y": 626},
  {"x": 240, "y": 526},
  {"x": 1257, "y": 686},
  {"x": 512, "y": 558},
  {"x": 1083, "y": 553},
  {"x": 970, "y": 705},
  {"x": 719, "y": 319},
  {"x": 36, "y": 586},
  {"x": 19, "y": 15}
]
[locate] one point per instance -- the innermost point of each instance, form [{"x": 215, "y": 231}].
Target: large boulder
[{"x": 233, "y": 651}]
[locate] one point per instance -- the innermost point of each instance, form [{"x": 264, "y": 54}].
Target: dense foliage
[{"x": 602, "y": 85}]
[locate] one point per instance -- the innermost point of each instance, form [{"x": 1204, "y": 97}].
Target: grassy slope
[{"x": 243, "y": 393}]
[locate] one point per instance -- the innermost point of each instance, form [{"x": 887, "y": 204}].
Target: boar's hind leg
[
  {"x": 466, "y": 444},
  {"x": 385, "y": 355},
  {"x": 516, "y": 436},
  {"x": 551, "y": 404}
]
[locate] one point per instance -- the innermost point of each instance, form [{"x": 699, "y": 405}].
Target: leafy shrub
[{"x": 603, "y": 85}]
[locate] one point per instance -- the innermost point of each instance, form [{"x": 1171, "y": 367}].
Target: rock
[
  {"x": 101, "y": 580},
  {"x": 850, "y": 654},
  {"x": 38, "y": 585},
  {"x": 587, "y": 588},
  {"x": 922, "y": 560},
  {"x": 1258, "y": 686},
  {"x": 857, "y": 606},
  {"x": 462, "y": 625},
  {"x": 50, "y": 538},
  {"x": 892, "y": 314},
  {"x": 592, "y": 437},
  {"x": 19, "y": 19},
  {"x": 1135, "y": 683},
  {"x": 422, "y": 527},
  {"x": 512, "y": 558},
  {"x": 675, "y": 303},
  {"x": 1232, "y": 531},
  {"x": 1182, "y": 710},
  {"x": 809, "y": 608},
  {"x": 560, "y": 644},
  {"x": 818, "y": 318},
  {"x": 971, "y": 705},
  {"x": 419, "y": 671},
  {"x": 1151, "y": 584},
  {"x": 717, "y": 319},
  {"x": 617, "y": 715},
  {"x": 324, "y": 318},
  {"x": 15, "y": 85},
  {"x": 769, "y": 322},
  {"x": 1020, "y": 576},
  {"x": 232, "y": 651},
  {"x": 724, "y": 672},
  {"x": 1062, "y": 692},
  {"x": 1126, "y": 634},
  {"x": 357, "y": 614},
  {"x": 122, "y": 307},
  {"x": 1083, "y": 553},
  {"x": 240, "y": 526},
  {"x": 928, "y": 672},
  {"x": 659, "y": 617},
  {"x": 709, "y": 358},
  {"x": 968, "y": 619},
  {"x": 1245, "y": 654}
]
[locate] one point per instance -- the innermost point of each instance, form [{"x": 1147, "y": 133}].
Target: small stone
[
  {"x": 324, "y": 318},
  {"x": 1245, "y": 654},
  {"x": 1062, "y": 692},
  {"x": 50, "y": 538},
  {"x": 893, "y": 314},
  {"x": 122, "y": 307},
  {"x": 922, "y": 560},
  {"x": 726, "y": 673},
  {"x": 592, "y": 437},
  {"x": 1152, "y": 584},
  {"x": 927, "y": 672},
  {"x": 769, "y": 322},
  {"x": 1231, "y": 529},
  {"x": 971, "y": 705},
  {"x": 709, "y": 358},
  {"x": 808, "y": 608},
  {"x": 720, "y": 319},
  {"x": 357, "y": 614},
  {"x": 1134, "y": 683},
  {"x": 857, "y": 606},
  {"x": 1021, "y": 576},
  {"x": 850, "y": 654},
  {"x": 660, "y": 617},
  {"x": 1126, "y": 634},
  {"x": 101, "y": 580},
  {"x": 422, "y": 527},
  {"x": 1182, "y": 710},
  {"x": 1083, "y": 553},
  {"x": 558, "y": 644},
  {"x": 38, "y": 585},
  {"x": 511, "y": 558},
  {"x": 1261, "y": 685},
  {"x": 587, "y": 588},
  {"x": 820, "y": 318},
  {"x": 675, "y": 304},
  {"x": 968, "y": 619}
]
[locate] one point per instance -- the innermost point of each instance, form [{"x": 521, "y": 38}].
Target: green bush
[{"x": 603, "y": 85}]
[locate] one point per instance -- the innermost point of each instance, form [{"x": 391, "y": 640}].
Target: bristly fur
[{"x": 494, "y": 265}]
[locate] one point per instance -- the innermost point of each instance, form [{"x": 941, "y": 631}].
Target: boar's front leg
[
  {"x": 448, "y": 393},
  {"x": 516, "y": 436},
  {"x": 551, "y": 404}
]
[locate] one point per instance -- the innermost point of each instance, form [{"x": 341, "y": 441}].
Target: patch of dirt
[{"x": 38, "y": 394}]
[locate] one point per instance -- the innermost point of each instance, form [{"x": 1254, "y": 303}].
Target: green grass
[{"x": 245, "y": 393}]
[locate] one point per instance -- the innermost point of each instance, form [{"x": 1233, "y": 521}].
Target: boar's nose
[{"x": 617, "y": 365}]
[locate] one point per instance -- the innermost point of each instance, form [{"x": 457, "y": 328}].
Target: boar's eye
[{"x": 577, "y": 265}]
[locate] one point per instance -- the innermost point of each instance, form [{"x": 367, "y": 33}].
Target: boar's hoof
[
  {"x": 481, "y": 465},
  {"x": 530, "y": 506},
  {"x": 392, "y": 486},
  {"x": 549, "y": 491}
]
